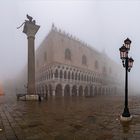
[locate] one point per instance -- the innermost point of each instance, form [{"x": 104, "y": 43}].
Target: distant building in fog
[{"x": 66, "y": 66}]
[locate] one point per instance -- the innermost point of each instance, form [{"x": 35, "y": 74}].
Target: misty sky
[{"x": 104, "y": 24}]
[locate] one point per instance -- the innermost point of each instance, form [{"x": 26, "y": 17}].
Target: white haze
[{"x": 102, "y": 24}]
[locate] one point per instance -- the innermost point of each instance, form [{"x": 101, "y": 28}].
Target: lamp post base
[{"x": 125, "y": 119}]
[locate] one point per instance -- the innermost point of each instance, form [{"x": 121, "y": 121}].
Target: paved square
[{"x": 95, "y": 118}]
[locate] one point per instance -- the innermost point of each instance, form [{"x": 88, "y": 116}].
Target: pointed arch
[
  {"x": 72, "y": 75},
  {"x": 91, "y": 91},
  {"x": 50, "y": 90},
  {"x": 58, "y": 90},
  {"x": 74, "y": 90},
  {"x": 46, "y": 91},
  {"x": 69, "y": 75},
  {"x": 95, "y": 90},
  {"x": 67, "y": 91},
  {"x": 56, "y": 73},
  {"x": 80, "y": 91},
  {"x": 81, "y": 77},
  {"x": 86, "y": 91},
  {"x": 65, "y": 74},
  {"x": 61, "y": 74},
  {"x": 76, "y": 76}
]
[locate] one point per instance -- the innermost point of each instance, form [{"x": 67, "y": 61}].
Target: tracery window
[
  {"x": 61, "y": 74},
  {"x": 72, "y": 75},
  {"x": 69, "y": 75},
  {"x": 65, "y": 75},
  {"x": 84, "y": 60},
  {"x": 68, "y": 54},
  {"x": 96, "y": 64},
  {"x": 56, "y": 73},
  {"x": 76, "y": 76}
]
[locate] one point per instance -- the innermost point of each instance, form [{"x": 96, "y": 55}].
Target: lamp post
[{"x": 127, "y": 64}]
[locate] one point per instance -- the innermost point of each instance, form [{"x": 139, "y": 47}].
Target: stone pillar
[
  {"x": 70, "y": 90},
  {"x": 53, "y": 90},
  {"x": 30, "y": 29},
  {"x": 63, "y": 87},
  {"x": 77, "y": 90}
]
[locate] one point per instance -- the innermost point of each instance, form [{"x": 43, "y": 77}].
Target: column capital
[{"x": 30, "y": 29}]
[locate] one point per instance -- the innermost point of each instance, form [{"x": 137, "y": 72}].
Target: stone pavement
[{"x": 95, "y": 118}]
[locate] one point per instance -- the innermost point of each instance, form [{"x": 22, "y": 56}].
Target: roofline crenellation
[{"x": 70, "y": 36}]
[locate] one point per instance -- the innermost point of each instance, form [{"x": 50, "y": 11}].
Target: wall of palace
[{"x": 66, "y": 66}]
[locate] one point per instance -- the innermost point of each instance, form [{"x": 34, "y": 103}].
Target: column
[
  {"x": 53, "y": 90},
  {"x": 70, "y": 90},
  {"x": 77, "y": 90},
  {"x": 30, "y": 29},
  {"x": 63, "y": 87}
]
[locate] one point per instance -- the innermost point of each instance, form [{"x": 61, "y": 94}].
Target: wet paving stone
[{"x": 94, "y": 118}]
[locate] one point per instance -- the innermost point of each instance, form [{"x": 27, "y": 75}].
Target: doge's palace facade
[{"x": 66, "y": 66}]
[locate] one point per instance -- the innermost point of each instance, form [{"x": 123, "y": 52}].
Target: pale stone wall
[
  {"x": 55, "y": 45},
  {"x": 62, "y": 42},
  {"x": 104, "y": 79}
]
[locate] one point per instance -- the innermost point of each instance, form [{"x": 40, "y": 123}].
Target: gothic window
[
  {"x": 96, "y": 64},
  {"x": 72, "y": 75},
  {"x": 69, "y": 75},
  {"x": 65, "y": 75},
  {"x": 92, "y": 79},
  {"x": 67, "y": 54},
  {"x": 61, "y": 73},
  {"x": 79, "y": 76},
  {"x": 84, "y": 60},
  {"x": 45, "y": 56},
  {"x": 56, "y": 73},
  {"x": 48, "y": 75},
  {"x": 85, "y": 78},
  {"x": 51, "y": 74},
  {"x": 76, "y": 76}
]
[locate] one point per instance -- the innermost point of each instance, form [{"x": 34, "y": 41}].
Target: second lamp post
[{"x": 127, "y": 64}]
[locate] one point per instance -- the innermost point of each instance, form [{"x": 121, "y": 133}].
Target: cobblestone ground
[{"x": 95, "y": 118}]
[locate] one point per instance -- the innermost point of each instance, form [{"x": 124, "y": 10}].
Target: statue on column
[
  {"x": 30, "y": 19},
  {"x": 30, "y": 29}
]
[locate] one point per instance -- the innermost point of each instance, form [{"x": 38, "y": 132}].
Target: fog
[{"x": 102, "y": 24}]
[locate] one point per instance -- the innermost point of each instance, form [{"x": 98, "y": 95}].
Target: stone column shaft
[
  {"x": 30, "y": 29},
  {"x": 31, "y": 65}
]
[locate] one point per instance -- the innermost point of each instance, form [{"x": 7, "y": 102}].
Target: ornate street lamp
[
  {"x": 130, "y": 63},
  {"x": 127, "y": 64},
  {"x": 127, "y": 43}
]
